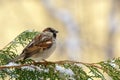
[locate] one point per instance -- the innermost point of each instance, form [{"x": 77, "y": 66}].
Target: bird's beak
[{"x": 56, "y": 31}]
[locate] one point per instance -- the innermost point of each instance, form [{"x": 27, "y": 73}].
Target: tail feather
[{"x": 18, "y": 58}]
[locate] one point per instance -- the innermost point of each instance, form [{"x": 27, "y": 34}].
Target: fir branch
[
  {"x": 50, "y": 63},
  {"x": 60, "y": 70}
]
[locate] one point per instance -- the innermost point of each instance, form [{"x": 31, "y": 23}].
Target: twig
[{"x": 55, "y": 62}]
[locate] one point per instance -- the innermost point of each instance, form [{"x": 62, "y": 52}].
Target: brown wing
[{"x": 39, "y": 43}]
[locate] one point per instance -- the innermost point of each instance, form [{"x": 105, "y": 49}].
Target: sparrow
[{"x": 41, "y": 47}]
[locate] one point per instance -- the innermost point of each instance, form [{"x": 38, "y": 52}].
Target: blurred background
[{"x": 88, "y": 29}]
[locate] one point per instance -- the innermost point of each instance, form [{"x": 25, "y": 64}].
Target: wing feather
[{"x": 39, "y": 43}]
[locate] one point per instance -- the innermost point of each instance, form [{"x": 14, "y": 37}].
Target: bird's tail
[{"x": 17, "y": 58}]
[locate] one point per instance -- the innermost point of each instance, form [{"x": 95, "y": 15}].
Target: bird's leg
[
  {"x": 44, "y": 60},
  {"x": 34, "y": 62}
]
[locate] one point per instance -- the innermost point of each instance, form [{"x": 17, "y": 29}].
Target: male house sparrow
[{"x": 41, "y": 47}]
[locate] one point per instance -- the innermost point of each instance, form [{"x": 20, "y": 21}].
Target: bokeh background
[{"x": 89, "y": 30}]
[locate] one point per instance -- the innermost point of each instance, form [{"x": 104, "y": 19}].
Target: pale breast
[
  {"x": 45, "y": 54},
  {"x": 49, "y": 51}
]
